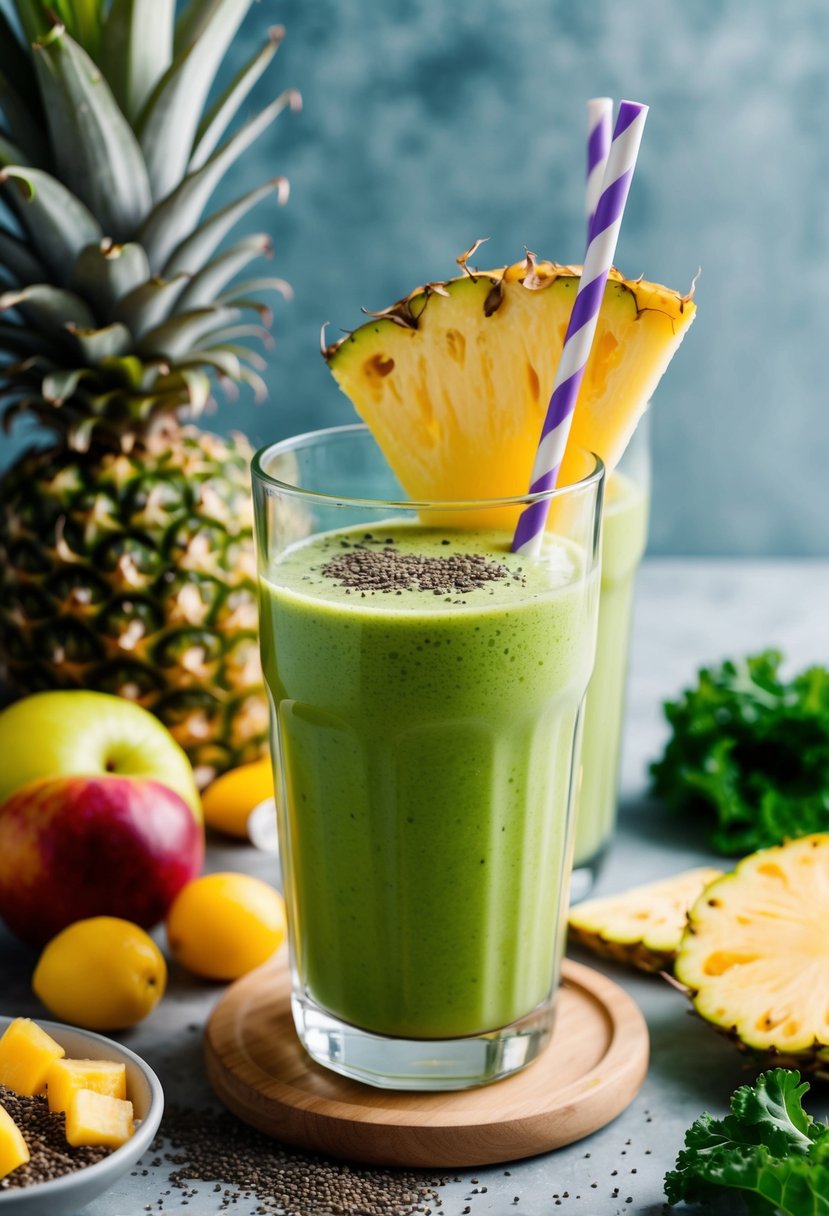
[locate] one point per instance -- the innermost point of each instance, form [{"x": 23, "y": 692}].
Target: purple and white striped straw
[
  {"x": 604, "y": 235},
  {"x": 599, "y": 128}
]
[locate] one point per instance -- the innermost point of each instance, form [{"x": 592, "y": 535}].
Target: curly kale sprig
[
  {"x": 751, "y": 749},
  {"x": 768, "y": 1151}
]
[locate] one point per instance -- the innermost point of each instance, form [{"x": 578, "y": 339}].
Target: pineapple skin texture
[{"x": 135, "y": 574}]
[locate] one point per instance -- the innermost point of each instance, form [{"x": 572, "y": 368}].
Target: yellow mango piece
[
  {"x": 228, "y": 801},
  {"x": 93, "y": 1118},
  {"x": 13, "y": 1150},
  {"x": 66, "y": 1076},
  {"x": 26, "y": 1055}
]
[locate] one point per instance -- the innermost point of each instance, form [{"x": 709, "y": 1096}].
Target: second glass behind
[
  {"x": 625, "y": 532},
  {"x": 426, "y": 687}
]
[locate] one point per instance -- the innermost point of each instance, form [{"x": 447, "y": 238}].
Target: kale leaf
[
  {"x": 768, "y": 1150},
  {"x": 753, "y": 750}
]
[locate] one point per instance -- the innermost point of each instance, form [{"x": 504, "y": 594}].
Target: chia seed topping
[{"x": 388, "y": 570}]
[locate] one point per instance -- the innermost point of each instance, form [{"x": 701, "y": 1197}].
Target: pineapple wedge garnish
[
  {"x": 642, "y": 926},
  {"x": 455, "y": 379}
]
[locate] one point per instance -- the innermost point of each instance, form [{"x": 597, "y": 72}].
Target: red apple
[{"x": 74, "y": 847}]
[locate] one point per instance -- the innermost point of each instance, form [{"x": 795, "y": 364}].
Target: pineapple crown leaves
[{"x": 116, "y": 309}]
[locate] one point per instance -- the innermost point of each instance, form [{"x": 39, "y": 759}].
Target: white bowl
[{"x": 62, "y": 1196}]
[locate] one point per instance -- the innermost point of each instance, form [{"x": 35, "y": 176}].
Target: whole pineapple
[{"x": 126, "y": 547}]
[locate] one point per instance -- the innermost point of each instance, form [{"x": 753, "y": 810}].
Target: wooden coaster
[{"x": 589, "y": 1073}]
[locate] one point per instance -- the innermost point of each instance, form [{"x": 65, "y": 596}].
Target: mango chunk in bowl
[{"x": 69, "y": 1193}]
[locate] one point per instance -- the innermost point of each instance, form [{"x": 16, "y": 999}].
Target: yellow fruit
[
  {"x": 66, "y": 1077},
  {"x": 755, "y": 954},
  {"x": 223, "y": 925},
  {"x": 102, "y": 973},
  {"x": 454, "y": 380},
  {"x": 26, "y": 1054},
  {"x": 13, "y": 1148},
  {"x": 228, "y": 801},
  {"x": 644, "y": 925},
  {"x": 93, "y": 1118}
]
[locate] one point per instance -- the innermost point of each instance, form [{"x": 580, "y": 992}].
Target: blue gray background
[{"x": 427, "y": 123}]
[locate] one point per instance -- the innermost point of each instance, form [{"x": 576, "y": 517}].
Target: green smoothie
[
  {"x": 425, "y": 736},
  {"x": 624, "y": 529}
]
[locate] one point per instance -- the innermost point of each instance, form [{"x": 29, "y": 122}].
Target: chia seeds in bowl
[
  {"x": 60, "y": 1179},
  {"x": 50, "y": 1156}
]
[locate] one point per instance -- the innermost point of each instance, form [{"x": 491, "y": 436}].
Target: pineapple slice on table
[
  {"x": 642, "y": 926},
  {"x": 13, "y": 1148},
  {"x": 755, "y": 954},
  {"x": 26, "y": 1054},
  {"x": 65, "y": 1077},
  {"x": 93, "y": 1118},
  {"x": 454, "y": 380}
]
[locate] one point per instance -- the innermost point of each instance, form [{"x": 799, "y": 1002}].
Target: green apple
[{"x": 58, "y": 734}]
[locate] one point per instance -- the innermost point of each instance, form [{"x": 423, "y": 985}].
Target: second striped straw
[
  {"x": 581, "y": 328},
  {"x": 599, "y": 130}
]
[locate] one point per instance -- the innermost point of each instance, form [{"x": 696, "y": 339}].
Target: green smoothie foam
[
  {"x": 624, "y": 528},
  {"x": 425, "y": 735}
]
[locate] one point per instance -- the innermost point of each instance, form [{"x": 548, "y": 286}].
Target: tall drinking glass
[
  {"x": 625, "y": 532},
  {"x": 425, "y": 689}
]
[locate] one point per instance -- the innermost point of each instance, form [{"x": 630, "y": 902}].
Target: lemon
[
  {"x": 103, "y": 973},
  {"x": 229, "y": 800},
  {"x": 223, "y": 925}
]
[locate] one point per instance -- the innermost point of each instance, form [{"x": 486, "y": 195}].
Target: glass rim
[{"x": 306, "y": 438}]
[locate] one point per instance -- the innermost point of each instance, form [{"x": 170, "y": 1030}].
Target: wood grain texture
[{"x": 592, "y": 1069}]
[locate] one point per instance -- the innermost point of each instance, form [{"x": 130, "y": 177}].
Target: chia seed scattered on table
[
  {"x": 45, "y": 1136},
  {"x": 261, "y": 1177}
]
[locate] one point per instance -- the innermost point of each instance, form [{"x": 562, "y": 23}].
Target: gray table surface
[{"x": 688, "y": 612}]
